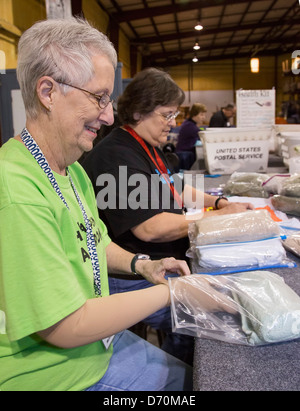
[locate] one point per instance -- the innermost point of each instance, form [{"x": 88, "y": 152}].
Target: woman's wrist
[
  {"x": 221, "y": 202},
  {"x": 141, "y": 266},
  {"x": 167, "y": 293}
]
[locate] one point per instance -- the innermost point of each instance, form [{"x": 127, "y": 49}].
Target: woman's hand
[
  {"x": 227, "y": 207},
  {"x": 155, "y": 271},
  {"x": 199, "y": 294}
]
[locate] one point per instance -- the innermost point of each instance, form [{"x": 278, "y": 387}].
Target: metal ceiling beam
[
  {"x": 179, "y": 62},
  {"x": 137, "y": 14},
  {"x": 286, "y": 40},
  {"x": 205, "y": 32}
]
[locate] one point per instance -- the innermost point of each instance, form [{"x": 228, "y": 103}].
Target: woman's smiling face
[{"x": 78, "y": 116}]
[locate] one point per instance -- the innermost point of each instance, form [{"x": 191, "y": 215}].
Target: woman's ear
[
  {"x": 44, "y": 88},
  {"x": 137, "y": 116}
]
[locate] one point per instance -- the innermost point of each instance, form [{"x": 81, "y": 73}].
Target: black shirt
[
  {"x": 219, "y": 120},
  {"x": 129, "y": 191}
]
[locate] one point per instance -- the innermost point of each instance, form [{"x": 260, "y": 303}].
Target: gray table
[{"x": 220, "y": 366}]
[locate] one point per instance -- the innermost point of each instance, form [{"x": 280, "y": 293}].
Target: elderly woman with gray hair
[{"x": 57, "y": 318}]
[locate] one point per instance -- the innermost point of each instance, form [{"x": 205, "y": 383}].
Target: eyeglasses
[
  {"x": 103, "y": 99},
  {"x": 168, "y": 117}
]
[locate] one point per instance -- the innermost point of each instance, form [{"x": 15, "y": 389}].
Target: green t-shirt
[{"x": 45, "y": 274}]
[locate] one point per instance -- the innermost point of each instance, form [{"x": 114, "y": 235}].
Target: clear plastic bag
[
  {"x": 247, "y": 185},
  {"x": 291, "y": 186},
  {"x": 288, "y": 205},
  {"x": 261, "y": 253},
  {"x": 247, "y": 226},
  {"x": 274, "y": 184},
  {"x": 252, "y": 308},
  {"x": 292, "y": 243}
]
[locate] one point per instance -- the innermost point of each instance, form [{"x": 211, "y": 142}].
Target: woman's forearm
[
  {"x": 118, "y": 259},
  {"x": 162, "y": 228},
  {"x": 102, "y": 317}
]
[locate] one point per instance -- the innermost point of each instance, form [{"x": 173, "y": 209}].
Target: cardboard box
[{"x": 227, "y": 150}]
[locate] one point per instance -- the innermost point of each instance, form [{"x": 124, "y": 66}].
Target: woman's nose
[
  {"x": 106, "y": 115},
  {"x": 172, "y": 122}
]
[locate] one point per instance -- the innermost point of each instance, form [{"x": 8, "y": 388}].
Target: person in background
[
  {"x": 189, "y": 135},
  {"x": 57, "y": 318},
  {"x": 130, "y": 158},
  {"x": 222, "y": 118}
]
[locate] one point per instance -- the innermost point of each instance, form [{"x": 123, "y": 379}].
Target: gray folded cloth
[
  {"x": 291, "y": 186},
  {"x": 270, "y": 309},
  {"x": 248, "y": 226},
  {"x": 292, "y": 244},
  {"x": 246, "y": 185},
  {"x": 288, "y": 205}
]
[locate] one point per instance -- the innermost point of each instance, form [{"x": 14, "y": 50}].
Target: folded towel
[
  {"x": 270, "y": 308},
  {"x": 289, "y": 205},
  {"x": 261, "y": 253},
  {"x": 249, "y": 308},
  {"x": 292, "y": 243},
  {"x": 247, "y": 226}
]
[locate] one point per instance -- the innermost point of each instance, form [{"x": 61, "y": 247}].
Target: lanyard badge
[
  {"x": 161, "y": 169},
  {"x": 37, "y": 153}
]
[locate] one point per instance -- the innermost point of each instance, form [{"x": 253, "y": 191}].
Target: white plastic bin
[
  {"x": 227, "y": 150},
  {"x": 290, "y": 145},
  {"x": 278, "y": 129}
]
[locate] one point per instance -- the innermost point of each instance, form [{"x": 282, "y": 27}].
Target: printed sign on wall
[{"x": 255, "y": 108}]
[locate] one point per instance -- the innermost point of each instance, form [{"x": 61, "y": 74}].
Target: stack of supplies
[
  {"x": 284, "y": 189},
  {"x": 288, "y": 198},
  {"x": 249, "y": 239}
]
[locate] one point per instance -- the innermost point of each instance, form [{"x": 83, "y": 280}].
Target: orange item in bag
[{"x": 272, "y": 213}]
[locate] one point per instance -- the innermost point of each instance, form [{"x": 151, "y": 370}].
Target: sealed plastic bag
[
  {"x": 292, "y": 243},
  {"x": 288, "y": 205},
  {"x": 247, "y": 185},
  {"x": 252, "y": 308},
  {"x": 274, "y": 184},
  {"x": 291, "y": 186},
  {"x": 261, "y": 253},
  {"x": 247, "y": 226}
]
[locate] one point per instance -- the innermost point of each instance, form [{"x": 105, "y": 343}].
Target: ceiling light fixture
[
  {"x": 196, "y": 45},
  {"x": 195, "y": 58},
  {"x": 254, "y": 64},
  {"x": 199, "y": 25}
]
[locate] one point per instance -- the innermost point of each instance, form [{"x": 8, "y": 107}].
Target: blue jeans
[
  {"x": 178, "y": 345},
  {"x": 137, "y": 365}
]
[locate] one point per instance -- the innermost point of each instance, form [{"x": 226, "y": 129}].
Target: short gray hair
[{"x": 62, "y": 49}]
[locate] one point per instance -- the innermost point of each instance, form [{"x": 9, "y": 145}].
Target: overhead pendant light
[
  {"x": 198, "y": 26},
  {"x": 196, "y": 45},
  {"x": 195, "y": 58},
  {"x": 254, "y": 65}
]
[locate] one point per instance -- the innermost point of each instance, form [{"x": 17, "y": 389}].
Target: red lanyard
[{"x": 158, "y": 163}]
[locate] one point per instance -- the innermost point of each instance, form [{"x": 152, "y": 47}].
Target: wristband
[
  {"x": 217, "y": 201},
  {"x": 135, "y": 259}
]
